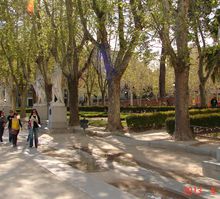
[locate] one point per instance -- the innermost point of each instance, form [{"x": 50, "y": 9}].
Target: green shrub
[
  {"x": 93, "y": 108},
  {"x": 157, "y": 119},
  {"x": 144, "y": 109},
  {"x": 170, "y": 125},
  {"x": 204, "y": 120},
  {"x": 130, "y": 109},
  {"x": 147, "y": 120}
]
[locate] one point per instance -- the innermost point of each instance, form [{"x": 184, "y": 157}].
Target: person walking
[
  {"x": 15, "y": 128},
  {"x": 34, "y": 124},
  {"x": 214, "y": 102},
  {"x": 9, "y": 118},
  {"x": 2, "y": 124}
]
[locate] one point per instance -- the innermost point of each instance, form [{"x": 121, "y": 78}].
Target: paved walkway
[
  {"x": 152, "y": 157},
  {"x": 25, "y": 174}
]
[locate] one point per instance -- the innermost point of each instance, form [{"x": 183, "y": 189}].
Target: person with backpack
[
  {"x": 2, "y": 124},
  {"x": 9, "y": 118},
  {"x": 15, "y": 128},
  {"x": 34, "y": 124}
]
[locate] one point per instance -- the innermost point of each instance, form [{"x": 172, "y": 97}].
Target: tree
[
  {"x": 17, "y": 47},
  {"x": 200, "y": 12},
  {"x": 98, "y": 64},
  {"x": 178, "y": 11},
  {"x": 139, "y": 77},
  {"x": 42, "y": 46},
  {"x": 90, "y": 80},
  {"x": 162, "y": 76},
  {"x": 68, "y": 42},
  {"x": 127, "y": 16}
]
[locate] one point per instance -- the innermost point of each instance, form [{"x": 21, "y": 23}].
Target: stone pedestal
[
  {"x": 57, "y": 116},
  {"x": 212, "y": 168},
  {"x": 42, "y": 110}
]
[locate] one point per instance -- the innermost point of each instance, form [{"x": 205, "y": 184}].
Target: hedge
[
  {"x": 204, "y": 120},
  {"x": 131, "y": 109},
  {"x": 148, "y": 120},
  {"x": 143, "y": 109},
  {"x": 157, "y": 120}
]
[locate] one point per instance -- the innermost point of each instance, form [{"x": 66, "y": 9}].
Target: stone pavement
[
  {"x": 25, "y": 173},
  {"x": 155, "y": 149}
]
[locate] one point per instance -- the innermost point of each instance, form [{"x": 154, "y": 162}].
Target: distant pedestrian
[
  {"x": 34, "y": 124},
  {"x": 9, "y": 118},
  {"x": 2, "y": 124},
  {"x": 15, "y": 128},
  {"x": 214, "y": 102}
]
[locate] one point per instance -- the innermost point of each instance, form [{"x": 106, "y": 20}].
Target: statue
[
  {"x": 8, "y": 93},
  {"x": 2, "y": 95},
  {"x": 57, "y": 93},
  {"x": 40, "y": 89}
]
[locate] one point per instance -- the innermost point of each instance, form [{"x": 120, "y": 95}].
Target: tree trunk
[
  {"x": 13, "y": 99},
  {"x": 162, "y": 77},
  {"x": 23, "y": 102},
  {"x": 103, "y": 98},
  {"x": 182, "y": 126},
  {"x": 89, "y": 99},
  {"x": 202, "y": 81},
  {"x": 131, "y": 98},
  {"x": 202, "y": 94},
  {"x": 48, "y": 92},
  {"x": 114, "y": 120},
  {"x": 73, "y": 101}
]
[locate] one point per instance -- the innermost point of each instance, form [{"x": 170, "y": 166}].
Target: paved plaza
[{"x": 151, "y": 158}]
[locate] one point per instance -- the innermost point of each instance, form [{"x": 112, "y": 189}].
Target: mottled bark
[
  {"x": 23, "y": 94},
  {"x": 162, "y": 77},
  {"x": 180, "y": 61},
  {"x": 73, "y": 101},
  {"x": 182, "y": 129},
  {"x": 114, "y": 121},
  {"x": 202, "y": 93}
]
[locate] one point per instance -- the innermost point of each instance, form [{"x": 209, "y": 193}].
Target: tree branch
[{"x": 84, "y": 23}]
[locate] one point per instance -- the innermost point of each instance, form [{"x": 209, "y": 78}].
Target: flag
[{"x": 30, "y": 7}]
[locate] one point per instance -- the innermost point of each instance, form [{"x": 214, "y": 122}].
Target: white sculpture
[
  {"x": 40, "y": 89},
  {"x": 8, "y": 95},
  {"x": 57, "y": 93},
  {"x": 2, "y": 95}
]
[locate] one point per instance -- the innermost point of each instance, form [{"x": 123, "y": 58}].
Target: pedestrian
[
  {"x": 9, "y": 118},
  {"x": 214, "y": 102},
  {"x": 15, "y": 128},
  {"x": 2, "y": 124},
  {"x": 34, "y": 124}
]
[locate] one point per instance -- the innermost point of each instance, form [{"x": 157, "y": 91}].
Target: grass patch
[
  {"x": 92, "y": 114},
  {"x": 98, "y": 123}
]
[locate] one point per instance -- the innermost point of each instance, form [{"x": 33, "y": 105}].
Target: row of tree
[{"x": 75, "y": 34}]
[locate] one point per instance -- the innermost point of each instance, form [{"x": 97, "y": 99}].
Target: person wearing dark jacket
[
  {"x": 214, "y": 102},
  {"x": 9, "y": 118},
  {"x": 34, "y": 124}
]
